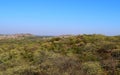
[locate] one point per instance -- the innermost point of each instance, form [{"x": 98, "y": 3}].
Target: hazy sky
[{"x": 57, "y": 17}]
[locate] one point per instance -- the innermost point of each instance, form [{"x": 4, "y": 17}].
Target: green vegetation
[{"x": 63, "y": 55}]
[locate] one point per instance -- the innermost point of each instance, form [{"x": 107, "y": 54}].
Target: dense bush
[
  {"x": 63, "y": 55},
  {"x": 92, "y": 68}
]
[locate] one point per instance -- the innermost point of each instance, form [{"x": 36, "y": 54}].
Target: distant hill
[{"x": 14, "y": 36}]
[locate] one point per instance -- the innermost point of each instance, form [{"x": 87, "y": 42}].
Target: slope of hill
[{"x": 71, "y": 55}]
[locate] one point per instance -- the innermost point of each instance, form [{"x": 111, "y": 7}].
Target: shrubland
[{"x": 61, "y": 55}]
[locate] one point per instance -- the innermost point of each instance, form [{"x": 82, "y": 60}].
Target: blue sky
[{"x": 58, "y": 17}]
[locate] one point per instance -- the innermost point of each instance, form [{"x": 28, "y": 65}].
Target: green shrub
[{"x": 92, "y": 68}]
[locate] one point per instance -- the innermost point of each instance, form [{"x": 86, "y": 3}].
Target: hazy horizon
[{"x": 60, "y": 17}]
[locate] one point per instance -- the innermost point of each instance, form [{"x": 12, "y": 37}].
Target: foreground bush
[{"x": 92, "y": 68}]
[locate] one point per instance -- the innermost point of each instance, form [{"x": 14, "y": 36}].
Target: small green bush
[{"x": 92, "y": 68}]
